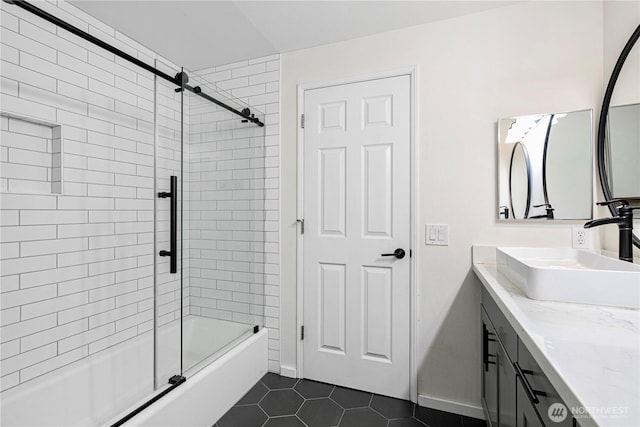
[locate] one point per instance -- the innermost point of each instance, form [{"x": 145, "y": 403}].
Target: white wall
[{"x": 522, "y": 59}]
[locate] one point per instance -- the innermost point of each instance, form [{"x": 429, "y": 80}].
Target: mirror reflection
[
  {"x": 520, "y": 182},
  {"x": 557, "y": 183},
  {"x": 619, "y": 135},
  {"x": 623, "y": 151}
]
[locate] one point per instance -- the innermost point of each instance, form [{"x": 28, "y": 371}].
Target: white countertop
[{"x": 591, "y": 354}]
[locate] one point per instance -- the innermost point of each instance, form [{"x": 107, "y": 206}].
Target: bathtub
[{"x": 91, "y": 391}]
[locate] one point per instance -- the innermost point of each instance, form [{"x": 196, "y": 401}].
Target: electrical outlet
[{"x": 579, "y": 238}]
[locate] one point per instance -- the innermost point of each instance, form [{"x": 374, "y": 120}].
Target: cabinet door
[
  {"x": 489, "y": 371},
  {"x": 506, "y": 389},
  {"x": 548, "y": 397},
  {"x": 527, "y": 415},
  {"x": 503, "y": 329}
]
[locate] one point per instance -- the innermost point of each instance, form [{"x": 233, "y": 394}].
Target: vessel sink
[{"x": 571, "y": 275}]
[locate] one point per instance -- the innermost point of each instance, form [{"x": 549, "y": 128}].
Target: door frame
[{"x": 414, "y": 318}]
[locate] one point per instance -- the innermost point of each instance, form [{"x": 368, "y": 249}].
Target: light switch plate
[{"x": 436, "y": 234}]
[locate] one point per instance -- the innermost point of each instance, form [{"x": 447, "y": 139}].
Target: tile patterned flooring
[{"x": 277, "y": 401}]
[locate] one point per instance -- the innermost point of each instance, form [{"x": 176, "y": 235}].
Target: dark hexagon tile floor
[
  {"x": 320, "y": 413},
  {"x": 281, "y": 402},
  {"x": 277, "y": 401}
]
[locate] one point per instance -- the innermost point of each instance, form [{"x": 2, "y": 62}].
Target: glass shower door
[
  {"x": 224, "y": 213},
  {"x": 169, "y": 250},
  {"x": 210, "y": 186}
]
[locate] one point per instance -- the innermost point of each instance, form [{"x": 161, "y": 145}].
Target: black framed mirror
[{"x": 606, "y": 163}]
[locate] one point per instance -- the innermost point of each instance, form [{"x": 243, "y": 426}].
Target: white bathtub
[
  {"x": 211, "y": 392},
  {"x": 91, "y": 391}
]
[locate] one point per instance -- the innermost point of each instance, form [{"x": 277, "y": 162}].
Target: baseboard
[
  {"x": 287, "y": 371},
  {"x": 450, "y": 406}
]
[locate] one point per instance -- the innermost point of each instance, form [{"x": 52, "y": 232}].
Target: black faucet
[
  {"x": 548, "y": 208},
  {"x": 504, "y": 211},
  {"x": 624, "y": 220}
]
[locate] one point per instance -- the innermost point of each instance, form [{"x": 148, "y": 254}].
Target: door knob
[{"x": 398, "y": 253}]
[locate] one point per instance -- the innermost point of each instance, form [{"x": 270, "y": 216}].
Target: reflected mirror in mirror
[
  {"x": 520, "y": 182},
  {"x": 559, "y": 151},
  {"x": 623, "y": 150}
]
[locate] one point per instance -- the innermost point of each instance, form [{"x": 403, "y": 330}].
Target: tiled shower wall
[
  {"x": 226, "y": 209},
  {"x": 257, "y": 83},
  {"x": 77, "y": 268}
]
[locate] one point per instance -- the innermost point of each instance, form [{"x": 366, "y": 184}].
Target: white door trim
[{"x": 412, "y": 72}]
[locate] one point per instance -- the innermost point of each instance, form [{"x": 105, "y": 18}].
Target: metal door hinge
[
  {"x": 301, "y": 221},
  {"x": 302, "y": 121},
  {"x": 301, "y": 333}
]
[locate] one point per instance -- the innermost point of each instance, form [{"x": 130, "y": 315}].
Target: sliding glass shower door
[
  {"x": 171, "y": 297},
  {"x": 214, "y": 159},
  {"x": 223, "y": 224}
]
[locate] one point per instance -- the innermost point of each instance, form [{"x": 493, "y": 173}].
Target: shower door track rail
[
  {"x": 175, "y": 381},
  {"x": 177, "y": 80}
]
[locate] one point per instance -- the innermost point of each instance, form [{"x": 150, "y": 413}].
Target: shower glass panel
[
  {"x": 224, "y": 213},
  {"x": 170, "y": 286}
]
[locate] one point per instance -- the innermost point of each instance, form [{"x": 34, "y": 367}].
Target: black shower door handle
[{"x": 173, "y": 232}]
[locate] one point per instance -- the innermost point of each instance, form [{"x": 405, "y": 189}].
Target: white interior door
[{"x": 356, "y": 208}]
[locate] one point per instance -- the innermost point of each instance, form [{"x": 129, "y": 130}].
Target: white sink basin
[{"x": 570, "y": 275}]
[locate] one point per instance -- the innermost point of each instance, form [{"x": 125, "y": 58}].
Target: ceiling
[{"x": 201, "y": 34}]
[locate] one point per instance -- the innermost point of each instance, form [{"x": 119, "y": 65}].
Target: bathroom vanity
[
  {"x": 555, "y": 363},
  {"x": 515, "y": 391}
]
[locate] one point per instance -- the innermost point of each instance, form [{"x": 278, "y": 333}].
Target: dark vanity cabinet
[
  {"x": 540, "y": 392},
  {"x": 527, "y": 415},
  {"x": 506, "y": 396},
  {"x": 499, "y": 349},
  {"x": 489, "y": 371},
  {"x": 515, "y": 392}
]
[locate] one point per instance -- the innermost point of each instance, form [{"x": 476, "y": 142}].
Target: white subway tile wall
[
  {"x": 227, "y": 215},
  {"x": 231, "y": 269},
  {"x": 78, "y": 268},
  {"x": 77, "y": 241}
]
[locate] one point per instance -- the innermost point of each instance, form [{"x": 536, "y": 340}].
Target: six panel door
[{"x": 356, "y": 208}]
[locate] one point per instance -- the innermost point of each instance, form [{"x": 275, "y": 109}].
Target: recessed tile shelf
[{"x": 31, "y": 155}]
